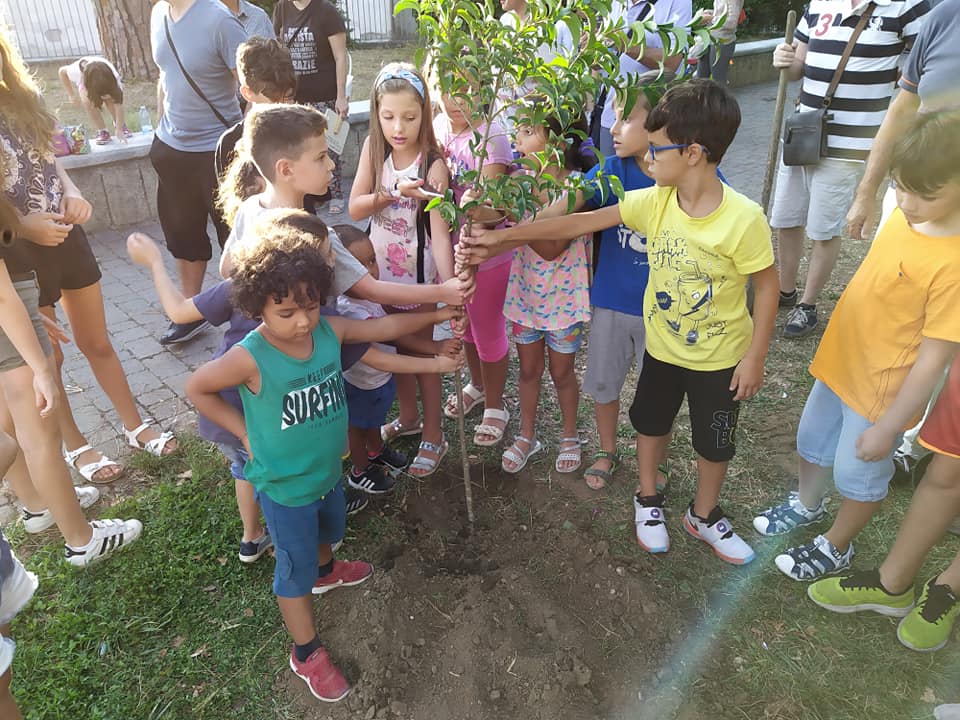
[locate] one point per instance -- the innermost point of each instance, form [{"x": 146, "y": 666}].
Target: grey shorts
[
  {"x": 29, "y": 292},
  {"x": 616, "y": 340}
]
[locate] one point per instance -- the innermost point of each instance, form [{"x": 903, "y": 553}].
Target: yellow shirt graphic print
[{"x": 695, "y": 311}]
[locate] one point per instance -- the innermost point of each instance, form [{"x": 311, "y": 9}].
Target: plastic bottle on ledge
[{"x": 146, "y": 126}]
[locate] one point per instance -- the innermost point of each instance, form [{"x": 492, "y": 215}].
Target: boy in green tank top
[{"x": 290, "y": 380}]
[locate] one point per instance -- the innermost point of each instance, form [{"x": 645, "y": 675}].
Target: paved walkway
[{"x": 157, "y": 375}]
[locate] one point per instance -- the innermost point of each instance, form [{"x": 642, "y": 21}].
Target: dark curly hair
[
  {"x": 286, "y": 251},
  {"x": 264, "y": 66}
]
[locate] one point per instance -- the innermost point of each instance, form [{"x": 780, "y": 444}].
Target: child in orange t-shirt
[{"x": 892, "y": 335}]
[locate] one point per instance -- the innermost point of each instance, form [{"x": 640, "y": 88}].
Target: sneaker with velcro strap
[
  {"x": 715, "y": 530},
  {"x": 37, "y": 522},
  {"x": 811, "y": 561},
  {"x": 650, "y": 527},
  {"x": 109, "y": 536},
  {"x": 789, "y": 515}
]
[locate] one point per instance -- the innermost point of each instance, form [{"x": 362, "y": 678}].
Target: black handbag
[{"x": 805, "y": 133}]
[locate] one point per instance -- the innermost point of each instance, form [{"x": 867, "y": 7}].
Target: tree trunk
[{"x": 125, "y": 33}]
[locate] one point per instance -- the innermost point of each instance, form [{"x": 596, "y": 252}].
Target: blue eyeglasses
[{"x": 654, "y": 149}]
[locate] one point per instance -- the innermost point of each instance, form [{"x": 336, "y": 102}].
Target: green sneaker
[
  {"x": 927, "y": 627},
  {"x": 859, "y": 591}
]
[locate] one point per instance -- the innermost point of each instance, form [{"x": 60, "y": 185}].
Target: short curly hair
[{"x": 286, "y": 251}]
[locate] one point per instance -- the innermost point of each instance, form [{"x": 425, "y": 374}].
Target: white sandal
[
  {"x": 516, "y": 456},
  {"x": 570, "y": 454},
  {"x": 155, "y": 446},
  {"x": 472, "y": 396},
  {"x": 90, "y": 469},
  {"x": 492, "y": 430}
]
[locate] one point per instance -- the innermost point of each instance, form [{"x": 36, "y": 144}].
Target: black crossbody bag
[
  {"x": 805, "y": 133},
  {"x": 190, "y": 80}
]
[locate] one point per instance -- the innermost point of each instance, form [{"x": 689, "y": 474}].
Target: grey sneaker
[
  {"x": 783, "y": 518},
  {"x": 801, "y": 321},
  {"x": 812, "y": 561}
]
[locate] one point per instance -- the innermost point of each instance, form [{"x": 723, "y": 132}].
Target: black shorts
[
  {"x": 71, "y": 265},
  {"x": 186, "y": 195},
  {"x": 713, "y": 411}
]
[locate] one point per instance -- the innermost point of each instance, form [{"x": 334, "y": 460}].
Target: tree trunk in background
[{"x": 125, "y": 33}]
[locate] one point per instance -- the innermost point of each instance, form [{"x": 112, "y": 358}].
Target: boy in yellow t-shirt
[
  {"x": 703, "y": 241},
  {"x": 889, "y": 341}
]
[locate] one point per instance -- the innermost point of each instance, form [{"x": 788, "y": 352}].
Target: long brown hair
[
  {"x": 20, "y": 101},
  {"x": 386, "y": 84}
]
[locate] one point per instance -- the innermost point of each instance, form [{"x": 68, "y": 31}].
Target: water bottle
[{"x": 146, "y": 126}]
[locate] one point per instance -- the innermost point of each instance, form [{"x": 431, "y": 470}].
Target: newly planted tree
[{"x": 488, "y": 67}]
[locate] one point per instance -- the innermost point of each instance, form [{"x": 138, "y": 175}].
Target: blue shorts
[
  {"x": 298, "y": 533},
  {"x": 566, "y": 341},
  {"x": 827, "y": 437},
  {"x": 368, "y": 408},
  {"x": 238, "y": 458}
]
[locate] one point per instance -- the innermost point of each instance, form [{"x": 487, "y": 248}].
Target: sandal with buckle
[
  {"x": 421, "y": 466},
  {"x": 597, "y": 479},
  {"x": 90, "y": 469},
  {"x": 472, "y": 396},
  {"x": 395, "y": 429},
  {"x": 517, "y": 457},
  {"x": 485, "y": 428},
  {"x": 574, "y": 453},
  {"x": 155, "y": 446}
]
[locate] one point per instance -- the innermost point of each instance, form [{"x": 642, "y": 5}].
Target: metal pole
[{"x": 777, "y": 118}]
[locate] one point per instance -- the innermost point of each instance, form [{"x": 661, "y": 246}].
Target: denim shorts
[
  {"x": 238, "y": 458},
  {"x": 368, "y": 408},
  {"x": 298, "y": 533},
  {"x": 566, "y": 341},
  {"x": 827, "y": 437}
]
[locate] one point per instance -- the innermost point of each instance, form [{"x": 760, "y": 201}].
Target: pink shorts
[{"x": 488, "y": 328}]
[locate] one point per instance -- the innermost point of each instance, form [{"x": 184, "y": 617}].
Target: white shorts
[
  {"x": 15, "y": 593},
  {"x": 816, "y": 197}
]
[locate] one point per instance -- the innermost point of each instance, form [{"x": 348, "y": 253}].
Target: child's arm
[
  {"x": 748, "y": 375},
  {"x": 68, "y": 85},
  {"x": 439, "y": 179},
  {"x": 119, "y": 122},
  {"x": 17, "y": 326},
  {"x": 233, "y": 368},
  {"x": 451, "y": 292},
  {"x": 366, "y": 200},
  {"x": 144, "y": 251},
  {"x": 409, "y": 364},
  {"x": 388, "y": 328},
  {"x": 560, "y": 228},
  {"x": 933, "y": 358},
  {"x": 412, "y": 344},
  {"x": 75, "y": 209}
]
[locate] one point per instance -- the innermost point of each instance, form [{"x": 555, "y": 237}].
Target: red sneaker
[
  {"x": 345, "y": 573},
  {"x": 324, "y": 679}
]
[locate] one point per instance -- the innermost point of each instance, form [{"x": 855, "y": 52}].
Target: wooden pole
[
  {"x": 461, "y": 421},
  {"x": 777, "y": 118}
]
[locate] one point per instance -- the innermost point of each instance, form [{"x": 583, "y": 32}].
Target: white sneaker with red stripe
[{"x": 717, "y": 532}]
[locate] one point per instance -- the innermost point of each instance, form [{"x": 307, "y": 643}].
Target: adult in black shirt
[{"x": 316, "y": 35}]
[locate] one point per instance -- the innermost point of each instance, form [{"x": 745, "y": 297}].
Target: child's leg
[
  {"x": 532, "y": 365},
  {"x": 298, "y": 618},
  {"x": 8, "y": 708},
  {"x": 249, "y": 510},
  {"x": 935, "y": 504},
  {"x": 372, "y": 442},
  {"x": 562, "y": 349},
  {"x": 656, "y": 402},
  {"x": 358, "y": 438},
  {"x": 84, "y": 309},
  {"x": 710, "y": 477},
  {"x": 789, "y": 254},
  {"x": 817, "y": 441},
  {"x": 713, "y": 422},
  {"x": 39, "y": 439},
  {"x": 651, "y": 449},
  {"x": 474, "y": 365},
  {"x": 407, "y": 400}
]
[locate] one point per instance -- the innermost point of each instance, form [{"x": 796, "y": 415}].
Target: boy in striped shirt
[{"x": 812, "y": 200}]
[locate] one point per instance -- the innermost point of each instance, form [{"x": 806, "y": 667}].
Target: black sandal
[{"x": 605, "y": 476}]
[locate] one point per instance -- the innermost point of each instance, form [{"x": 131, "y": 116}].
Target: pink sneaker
[
  {"x": 324, "y": 679},
  {"x": 345, "y": 573}
]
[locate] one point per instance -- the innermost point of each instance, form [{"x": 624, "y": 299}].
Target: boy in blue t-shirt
[
  {"x": 294, "y": 419},
  {"x": 620, "y": 280}
]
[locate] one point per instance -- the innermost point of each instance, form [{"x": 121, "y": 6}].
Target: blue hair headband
[{"x": 401, "y": 74}]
